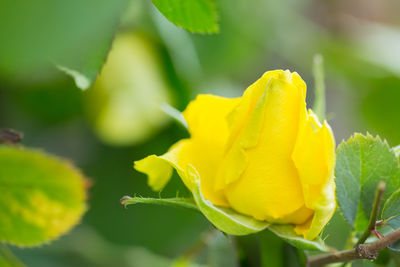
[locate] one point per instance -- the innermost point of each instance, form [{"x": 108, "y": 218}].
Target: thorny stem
[
  {"x": 380, "y": 189},
  {"x": 361, "y": 251}
]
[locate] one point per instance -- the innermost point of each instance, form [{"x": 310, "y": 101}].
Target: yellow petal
[
  {"x": 159, "y": 168},
  {"x": 245, "y": 123},
  {"x": 206, "y": 118},
  {"x": 269, "y": 187},
  {"x": 314, "y": 157}
]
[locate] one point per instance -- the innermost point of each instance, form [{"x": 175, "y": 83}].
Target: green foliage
[
  {"x": 198, "y": 16},
  {"x": 42, "y": 196},
  {"x": 362, "y": 162},
  {"x": 73, "y": 34},
  {"x": 7, "y": 259},
  {"x": 383, "y": 258},
  {"x": 391, "y": 210}
]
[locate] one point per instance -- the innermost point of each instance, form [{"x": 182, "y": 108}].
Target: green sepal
[
  {"x": 225, "y": 219},
  {"x": 286, "y": 232}
]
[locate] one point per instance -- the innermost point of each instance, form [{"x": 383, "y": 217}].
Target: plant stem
[
  {"x": 362, "y": 251},
  {"x": 319, "y": 84},
  {"x": 172, "y": 202},
  {"x": 380, "y": 189}
]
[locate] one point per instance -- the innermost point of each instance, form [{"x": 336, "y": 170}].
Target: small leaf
[
  {"x": 286, "y": 232},
  {"x": 198, "y": 16},
  {"x": 391, "y": 210},
  {"x": 361, "y": 163},
  {"x": 7, "y": 259},
  {"x": 174, "y": 114},
  {"x": 225, "y": 219},
  {"x": 41, "y": 196}
]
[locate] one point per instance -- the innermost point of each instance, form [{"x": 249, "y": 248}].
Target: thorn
[
  {"x": 124, "y": 199},
  {"x": 377, "y": 234},
  {"x": 380, "y": 223},
  {"x": 10, "y": 136}
]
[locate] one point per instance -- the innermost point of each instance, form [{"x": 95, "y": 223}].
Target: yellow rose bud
[{"x": 262, "y": 155}]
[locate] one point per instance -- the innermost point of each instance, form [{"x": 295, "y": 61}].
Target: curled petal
[
  {"x": 259, "y": 175},
  {"x": 314, "y": 157}
]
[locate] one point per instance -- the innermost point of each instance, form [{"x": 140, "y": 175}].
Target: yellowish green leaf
[{"x": 41, "y": 196}]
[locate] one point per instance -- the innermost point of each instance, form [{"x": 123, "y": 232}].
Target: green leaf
[
  {"x": 361, "y": 163},
  {"x": 391, "y": 210},
  {"x": 198, "y": 16},
  {"x": 84, "y": 70},
  {"x": 73, "y": 34},
  {"x": 41, "y": 196},
  {"x": 286, "y": 232},
  {"x": 7, "y": 259}
]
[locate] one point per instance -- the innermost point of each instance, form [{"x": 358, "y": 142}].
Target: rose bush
[{"x": 263, "y": 154}]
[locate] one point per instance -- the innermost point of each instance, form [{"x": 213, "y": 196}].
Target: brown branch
[
  {"x": 366, "y": 251},
  {"x": 380, "y": 189}
]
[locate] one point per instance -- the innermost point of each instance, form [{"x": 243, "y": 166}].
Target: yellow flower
[{"x": 262, "y": 154}]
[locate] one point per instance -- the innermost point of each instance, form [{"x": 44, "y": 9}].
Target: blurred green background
[{"x": 105, "y": 128}]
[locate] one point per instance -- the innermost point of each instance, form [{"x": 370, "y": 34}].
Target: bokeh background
[{"x": 118, "y": 120}]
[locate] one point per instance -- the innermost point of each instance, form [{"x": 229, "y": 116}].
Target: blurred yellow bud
[
  {"x": 262, "y": 154},
  {"x": 124, "y": 103}
]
